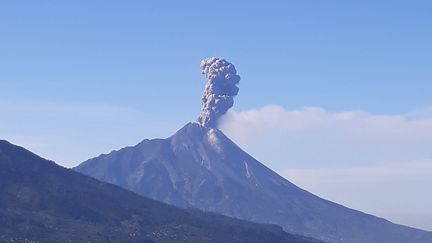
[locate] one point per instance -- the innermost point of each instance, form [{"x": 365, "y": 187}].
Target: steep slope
[
  {"x": 200, "y": 167},
  {"x": 43, "y": 202}
]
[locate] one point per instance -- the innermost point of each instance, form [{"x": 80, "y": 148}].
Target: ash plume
[{"x": 221, "y": 87}]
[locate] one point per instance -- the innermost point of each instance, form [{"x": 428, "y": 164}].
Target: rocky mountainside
[
  {"x": 200, "y": 167},
  {"x": 43, "y": 202}
]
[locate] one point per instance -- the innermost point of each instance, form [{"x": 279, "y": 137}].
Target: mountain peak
[
  {"x": 43, "y": 202},
  {"x": 191, "y": 129},
  {"x": 194, "y": 133},
  {"x": 200, "y": 167}
]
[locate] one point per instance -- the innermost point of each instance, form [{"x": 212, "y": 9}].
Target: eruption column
[{"x": 221, "y": 87}]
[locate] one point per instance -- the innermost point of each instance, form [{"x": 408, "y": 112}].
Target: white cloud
[
  {"x": 315, "y": 137},
  {"x": 380, "y": 164}
]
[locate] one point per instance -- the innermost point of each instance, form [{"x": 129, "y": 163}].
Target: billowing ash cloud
[{"x": 221, "y": 87}]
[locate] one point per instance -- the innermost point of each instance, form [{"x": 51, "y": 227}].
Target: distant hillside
[
  {"x": 43, "y": 202},
  {"x": 200, "y": 167}
]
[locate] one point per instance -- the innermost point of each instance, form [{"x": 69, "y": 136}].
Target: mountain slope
[
  {"x": 200, "y": 167},
  {"x": 43, "y": 202}
]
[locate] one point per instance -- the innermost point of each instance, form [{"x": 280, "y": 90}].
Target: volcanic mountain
[
  {"x": 43, "y": 202},
  {"x": 199, "y": 167}
]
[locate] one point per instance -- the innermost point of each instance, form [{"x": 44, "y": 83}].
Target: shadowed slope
[{"x": 43, "y": 202}]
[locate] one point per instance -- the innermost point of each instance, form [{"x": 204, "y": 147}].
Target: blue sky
[
  {"x": 372, "y": 55},
  {"x": 80, "y": 78}
]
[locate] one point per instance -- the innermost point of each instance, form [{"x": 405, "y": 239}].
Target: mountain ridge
[
  {"x": 41, "y": 201},
  {"x": 201, "y": 167}
]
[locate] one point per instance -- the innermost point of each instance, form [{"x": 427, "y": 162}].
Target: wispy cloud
[{"x": 315, "y": 137}]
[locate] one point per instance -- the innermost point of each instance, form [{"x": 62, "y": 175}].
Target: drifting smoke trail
[{"x": 221, "y": 87}]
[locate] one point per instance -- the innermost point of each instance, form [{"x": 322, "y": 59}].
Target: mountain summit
[
  {"x": 200, "y": 167},
  {"x": 43, "y": 202}
]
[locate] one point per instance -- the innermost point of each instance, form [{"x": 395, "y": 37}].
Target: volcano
[
  {"x": 199, "y": 167},
  {"x": 43, "y": 202}
]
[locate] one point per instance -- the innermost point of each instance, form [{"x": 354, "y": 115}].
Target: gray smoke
[{"x": 221, "y": 87}]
